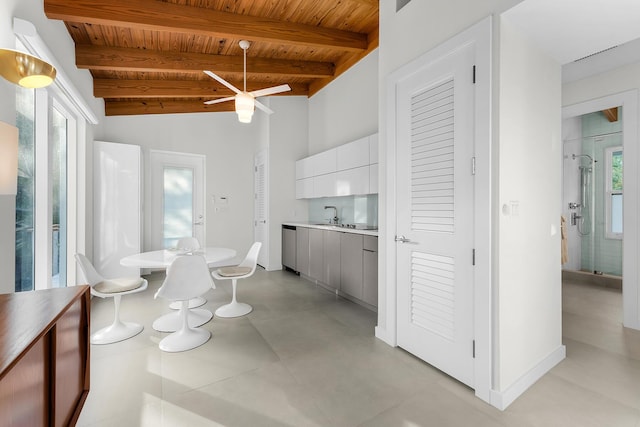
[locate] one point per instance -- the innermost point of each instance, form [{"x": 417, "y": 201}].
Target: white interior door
[
  {"x": 177, "y": 184},
  {"x": 261, "y": 201},
  {"x": 435, "y": 215}
]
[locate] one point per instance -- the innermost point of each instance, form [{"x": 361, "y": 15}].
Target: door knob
[{"x": 402, "y": 239}]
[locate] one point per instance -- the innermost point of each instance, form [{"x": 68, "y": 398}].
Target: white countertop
[{"x": 333, "y": 228}]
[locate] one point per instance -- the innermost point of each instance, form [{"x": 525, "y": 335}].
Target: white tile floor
[{"x": 304, "y": 357}]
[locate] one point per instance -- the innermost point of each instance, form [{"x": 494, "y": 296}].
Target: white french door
[
  {"x": 46, "y": 203},
  {"x": 177, "y": 187},
  {"x": 435, "y": 213},
  {"x": 261, "y": 202}
]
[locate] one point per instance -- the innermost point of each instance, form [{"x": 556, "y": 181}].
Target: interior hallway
[{"x": 304, "y": 357}]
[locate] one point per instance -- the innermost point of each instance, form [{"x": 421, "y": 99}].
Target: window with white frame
[{"x": 613, "y": 192}]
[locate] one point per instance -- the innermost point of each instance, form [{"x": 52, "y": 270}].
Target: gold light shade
[{"x": 25, "y": 70}]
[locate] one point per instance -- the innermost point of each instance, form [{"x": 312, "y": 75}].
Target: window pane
[
  {"x": 178, "y": 205},
  {"x": 25, "y": 113},
  {"x": 58, "y": 141},
  {"x": 616, "y": 213},
  {"x": 616, "y": 171}
]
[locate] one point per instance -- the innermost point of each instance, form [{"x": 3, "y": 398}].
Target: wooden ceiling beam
[
  {"x": 611, "y": 114},
  {"x": 160, "y": 106},
  {"x": 161, "y": 16},
  {"x": 116, "y": 88},
  {"x": 142, "y": 60}
]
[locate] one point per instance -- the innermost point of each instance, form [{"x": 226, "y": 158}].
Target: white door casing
[
  {"x": 260, "y": 205},
  {"x": 159, "y": 161},
  {"x": 435, "y": 150}
]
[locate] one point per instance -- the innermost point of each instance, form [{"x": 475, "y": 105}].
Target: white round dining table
[{"x": 164, "y": 257}]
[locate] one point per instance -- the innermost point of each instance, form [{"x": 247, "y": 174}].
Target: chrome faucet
[{"x": 335, "y": 213}]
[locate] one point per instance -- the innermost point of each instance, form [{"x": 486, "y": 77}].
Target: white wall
[
  {"x": 414, "y": 30},
  {"x": 287, "y": 142},
  {"x": 529, "y": 167},
  {"x": 229, "y": 147},
  {"x": 61, "y": 45},
  {"x": 347, "y": 108}
]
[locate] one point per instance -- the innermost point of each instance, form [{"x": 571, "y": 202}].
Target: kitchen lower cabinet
[
  {"x": 351, "y": 246},
  {"x": 316, "y": 254},
  {"x": 332, "y": 261},
  {"x": 337, "y": 260},
  {"x": 289, "y": 247},
  {"x": 302, "y": 250},
  {"x": 370, "y": 270}
]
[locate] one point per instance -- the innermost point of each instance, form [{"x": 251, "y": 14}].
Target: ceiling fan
[{"x": 246, "y": 101}]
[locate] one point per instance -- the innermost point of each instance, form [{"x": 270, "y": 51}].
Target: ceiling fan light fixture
[
  {"x": 245, "y": 106},
  {"x": 25, "y": 70}
]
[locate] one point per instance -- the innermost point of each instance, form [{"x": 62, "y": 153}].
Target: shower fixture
[{"x": 575, "y": 156}]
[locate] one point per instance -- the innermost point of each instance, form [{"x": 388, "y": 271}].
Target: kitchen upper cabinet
[
  {"x": 332, "y": 259},
  {"x": 354, "y": 154},
  {"x": 304, "y": 188},
  {"x": 324, "y": 185},
  {"x": 342, "y": 171},
  {"x": 352, "y": 181},
  {"x": 370, "y": 270},
  {"x": 302, "y": 250},
  {"x": 304, "y": 168},
  {"x": 316, "y": 254},
  {"x": 351, "y": 246},
  {"x": 325, "y": 162}
]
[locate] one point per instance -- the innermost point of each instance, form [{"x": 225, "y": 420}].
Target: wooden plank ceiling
[{"x": 148, "y": 56}]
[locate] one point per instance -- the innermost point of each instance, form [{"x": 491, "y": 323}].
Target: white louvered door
[
  {"x": 261, "y": 198},
  {"x": 435, "y": 214}
]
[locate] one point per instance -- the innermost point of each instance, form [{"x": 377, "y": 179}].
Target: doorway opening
[
  {"x": 628, "y": 113},
  {"x": 593, "y": 194}
]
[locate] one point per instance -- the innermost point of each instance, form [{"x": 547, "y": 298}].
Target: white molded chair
[
  {"x": 112, "y": 288},
  {"x": 188, "y": 244},
  {"x": 243, "y": 270},
  {"x": 187, "y": 277}
]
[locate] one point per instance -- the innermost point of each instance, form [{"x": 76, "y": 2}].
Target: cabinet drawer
[{"x": 370, "y": 243}]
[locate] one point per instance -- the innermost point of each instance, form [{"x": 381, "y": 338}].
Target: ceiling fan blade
[
  {"x": 263, "y": 107},
  {"x": 222, "y": 81},
  {"x": 270, "y": 90},
  {"x": 217, "y": 101}
]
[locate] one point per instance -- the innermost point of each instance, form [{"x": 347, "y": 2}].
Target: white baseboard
[{"x": 502, "y": 400}]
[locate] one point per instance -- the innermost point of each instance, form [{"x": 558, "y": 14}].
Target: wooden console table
[{"x": 44, "y": 356}]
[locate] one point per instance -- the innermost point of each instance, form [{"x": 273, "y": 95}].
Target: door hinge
[
  {"x": 474, "y": 348},
  {"x": 474, "y": 74},
  {"x": 473, "y": 257},
  {"x": 473, "y": 166}
]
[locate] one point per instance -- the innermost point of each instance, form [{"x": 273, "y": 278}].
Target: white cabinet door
[
  {"x": 325, "y": 162},
  {"x": 373, "y": 179},
  {"x": 304, "y": 188},
  {"x": 353, "y": 154},
  {"x": 324, "y": 185},
  {"x": 373, "y": 149},
  {"x": 304, "y": 168},
  {"x": 353, "y": 181}
]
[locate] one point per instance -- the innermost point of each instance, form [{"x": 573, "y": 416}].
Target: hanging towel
[{"x": 564, "y": 249}]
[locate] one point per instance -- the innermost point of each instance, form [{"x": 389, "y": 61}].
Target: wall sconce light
[
  {"x": 25, "y": 70},
  {"x": 8, "y": 159}
]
